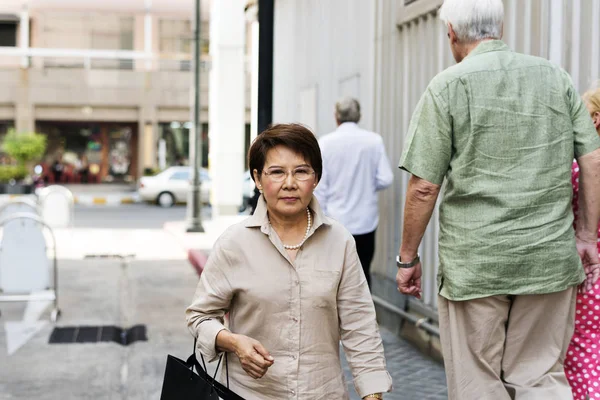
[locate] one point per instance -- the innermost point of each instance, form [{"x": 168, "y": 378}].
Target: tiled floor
[{"x": 414, "y": 375}]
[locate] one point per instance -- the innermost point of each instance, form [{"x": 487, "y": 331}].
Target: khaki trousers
[{"x": 507, "y": 347}]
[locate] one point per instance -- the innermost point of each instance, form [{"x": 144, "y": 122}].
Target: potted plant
[{"x": 24, "y": 149}]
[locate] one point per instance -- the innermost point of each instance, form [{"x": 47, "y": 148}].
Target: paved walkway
[
  {"x": 155, "y": 290},
  {"x": 414, "y": 376},
  {"x": 154, "y": 293}
]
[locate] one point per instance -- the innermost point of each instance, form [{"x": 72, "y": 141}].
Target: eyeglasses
[{"x": 299, "y": 174}]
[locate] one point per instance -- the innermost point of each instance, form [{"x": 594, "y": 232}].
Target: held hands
[
  {"x": 255, "y": 359},
  {"x": 409, "y": 281},
  {"x": 588, "y": 252}
]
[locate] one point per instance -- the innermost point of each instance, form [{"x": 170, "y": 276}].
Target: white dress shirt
[{"x": 355, "y": 168}]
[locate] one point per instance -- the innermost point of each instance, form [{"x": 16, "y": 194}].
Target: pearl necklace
[{"x": 308, "y": 226}]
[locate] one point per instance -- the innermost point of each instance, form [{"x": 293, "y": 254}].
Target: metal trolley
[{"x": 26, "y": 271}]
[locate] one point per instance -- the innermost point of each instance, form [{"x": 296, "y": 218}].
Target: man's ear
[{"x": 451, "y": 34}]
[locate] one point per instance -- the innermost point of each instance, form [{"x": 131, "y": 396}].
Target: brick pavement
[{"x": 415, "y": 376}]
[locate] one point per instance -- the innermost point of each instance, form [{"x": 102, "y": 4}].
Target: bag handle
[{"x": 195, "y": 362}]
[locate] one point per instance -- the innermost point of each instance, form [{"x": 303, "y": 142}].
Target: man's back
[
  {"x": 501, "y": 130},
  {"x": 355, "y": 167}
]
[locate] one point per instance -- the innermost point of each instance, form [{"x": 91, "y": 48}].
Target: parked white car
[{"x": 173, "y": 186}]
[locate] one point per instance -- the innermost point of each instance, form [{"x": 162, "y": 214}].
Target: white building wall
[{"x": 323, "y": 50}]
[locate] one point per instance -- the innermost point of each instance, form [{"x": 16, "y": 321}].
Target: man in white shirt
[{"x": 355, "y": 168}]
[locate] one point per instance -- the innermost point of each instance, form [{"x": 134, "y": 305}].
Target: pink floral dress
[{"x": 582, "y": 364}]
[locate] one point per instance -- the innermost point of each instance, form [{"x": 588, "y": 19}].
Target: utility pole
[
  {"x": 194, "y": 210},
  {"x": 266, "y": 17}
]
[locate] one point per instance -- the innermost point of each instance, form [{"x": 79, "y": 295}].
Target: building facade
[
  {"x": 106, "y": 80},
  {"x": 385, "y": 52}
]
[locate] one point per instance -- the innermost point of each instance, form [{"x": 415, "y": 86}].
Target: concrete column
[
  {"x": 148, "y": 34},
  {"x": 24, "y": 119},
  {"x": 147, "y": 134},
  {"x": 226, "y": 105},
  {"x": 24, "y": 35}
]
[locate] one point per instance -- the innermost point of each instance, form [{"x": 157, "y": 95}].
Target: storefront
[
  {"x": 174, "y": 143},
  {"x": 91, "y": 152}
]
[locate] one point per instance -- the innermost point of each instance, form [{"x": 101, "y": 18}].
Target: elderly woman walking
[{"x": 293, "y": 286}]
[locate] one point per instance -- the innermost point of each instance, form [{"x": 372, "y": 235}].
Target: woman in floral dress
[{"x": 582, "y": 364}]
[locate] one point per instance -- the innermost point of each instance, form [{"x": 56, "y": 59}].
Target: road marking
[{"x": 19, "y": 333}]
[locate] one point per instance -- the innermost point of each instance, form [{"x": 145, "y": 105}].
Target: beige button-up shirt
[{"x": 298, "y": 310}]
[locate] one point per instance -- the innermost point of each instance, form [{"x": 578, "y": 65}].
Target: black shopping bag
[{"x": 182, "y": 383}]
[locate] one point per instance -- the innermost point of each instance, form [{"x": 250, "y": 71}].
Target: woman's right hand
[{"x": 255, "y": 359}]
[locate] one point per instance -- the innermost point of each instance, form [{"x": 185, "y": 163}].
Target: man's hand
[
  {"x": 409, "y": 281},
  {"x": 588, "y": 252},
  {"x": 255, "y": 359}
]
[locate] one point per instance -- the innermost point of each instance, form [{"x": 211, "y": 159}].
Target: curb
[{"x": 106, "y": 200}]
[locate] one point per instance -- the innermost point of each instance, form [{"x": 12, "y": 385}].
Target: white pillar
[
  {"x": 252, "y": 18},
  {"x": 24, "y": 36},
  {"x": 148, "y": 34},
  {"x": 227, "y": 105}
]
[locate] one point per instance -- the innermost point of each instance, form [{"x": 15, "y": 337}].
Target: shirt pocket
[{"x": 322, "y": 287}]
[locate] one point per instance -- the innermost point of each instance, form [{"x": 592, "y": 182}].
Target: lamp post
[{"x": 195, "y": 202}]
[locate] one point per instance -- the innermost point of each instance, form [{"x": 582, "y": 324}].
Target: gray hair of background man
[
  {"x": 474, "y": 20},
  {"x": 347, "y": 110}
]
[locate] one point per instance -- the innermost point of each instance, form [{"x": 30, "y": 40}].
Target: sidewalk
[
  {"x": 153, "y": 293},
  {"x": 415, "y": 375},
  {"x": 202, "y": 241},
  {"x": 153, "y": 289}
]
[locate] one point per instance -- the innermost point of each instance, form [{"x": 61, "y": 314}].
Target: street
[
  {"x": 152, "y": 289},
  {"x": 131, "y": 216}
]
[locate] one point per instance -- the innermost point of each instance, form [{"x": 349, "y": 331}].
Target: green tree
[{"x": 24, "y": 148}]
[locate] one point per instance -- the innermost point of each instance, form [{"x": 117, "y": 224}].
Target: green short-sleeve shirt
[{"x": 502, "y": 129}]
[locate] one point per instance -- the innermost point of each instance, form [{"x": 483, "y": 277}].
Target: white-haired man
[
  {"x": 355, "y": 168},
  {"x": 502, "y": 129}
]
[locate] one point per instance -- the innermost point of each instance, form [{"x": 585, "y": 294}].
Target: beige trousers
[{"x": 507, "y": 347}]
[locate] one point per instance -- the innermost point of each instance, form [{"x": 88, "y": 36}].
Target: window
[
  {"x": 176, "y": 39},
  {"x": 8, "y": 31},
  {"x": 180, "y": 176},
  {"x": 175, "y": 36},
  {"x": 87, "y": 30}
]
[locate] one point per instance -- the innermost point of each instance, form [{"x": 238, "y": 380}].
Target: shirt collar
[
  {"x": 347, "y": 125},
  {"x": 260, "y": 219},
  {"x": 488, "y": 46}
]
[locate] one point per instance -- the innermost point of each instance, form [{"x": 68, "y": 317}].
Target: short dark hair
[{"x": 295, "y": 137}]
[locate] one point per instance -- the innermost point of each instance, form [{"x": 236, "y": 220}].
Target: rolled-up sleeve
[
  {"x": 358, "y": 328},
  {"x": 428, "y": 147},
  {"x": 205, "y": 316}
]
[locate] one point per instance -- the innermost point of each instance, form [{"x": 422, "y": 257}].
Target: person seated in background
[{"x": 57, "y": 169}]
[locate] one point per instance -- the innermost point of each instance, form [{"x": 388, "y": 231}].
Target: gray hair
[
  {"x": 347, "y": 110},
  {"x": 474, "y": 20}
]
